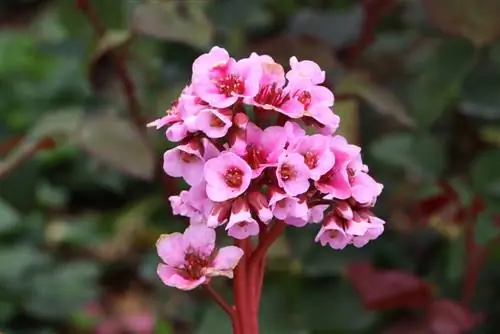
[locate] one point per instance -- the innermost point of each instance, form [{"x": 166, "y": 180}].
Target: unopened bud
[
  {"x": 219, "y": 214},
  {"x": 260, "y": 205},
  {"x": 240, "y": 120}
]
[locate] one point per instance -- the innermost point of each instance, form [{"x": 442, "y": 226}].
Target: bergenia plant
[{"x": 258, "y": 149}]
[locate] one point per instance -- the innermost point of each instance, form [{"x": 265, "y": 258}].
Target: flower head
[
  {"x": 190, "y": 259},
  {"x": 227, "y": 177}
]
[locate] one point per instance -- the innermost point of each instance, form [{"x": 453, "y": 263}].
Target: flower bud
[{"x": 259, "y": 203}]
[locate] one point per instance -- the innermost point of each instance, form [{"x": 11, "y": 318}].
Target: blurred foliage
[{"x": 417, "y": 84}]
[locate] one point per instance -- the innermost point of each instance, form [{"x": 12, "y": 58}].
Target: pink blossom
[
  {"x": 288, "y": 208},
  {"x": 227, "y": 176},
  {"x": 334, "y": 236},
  {"x": 317, "y": 213},
  {"x": 260, "y": 206},
  {"x": 317, "y": 154},
  {"x": 241, "y": 225},
  {"x": 314, "y": 102},
  {"x": 228, "y": 82},
  {"x": 375, "y": 229},
  {"x": 262, "y": 147},
  {"x": 219, "y": 215},
  {"x": 292, "y": 174},
  {"x": 336, "y": 181},
  {"x": 190, "y": 259},
  {"x": 188, "y": 160},
  {"x": 272, "y": 72},
  {"x": 364, "y": 189},
  {"x": 176, "y": 129},
  {"x": 305, "y": 72},
  {"x": 213, "y": 122},
  {"x": 216, "y": 60},
  {"x": 193, "y": 204},
  {"x": 293, "y": 133}
]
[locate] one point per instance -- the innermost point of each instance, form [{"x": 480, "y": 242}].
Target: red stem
[
  {"x": 373, "y": 9},
  {"x": 241, "y": 289},
  {"x": 128, "y": 86}
]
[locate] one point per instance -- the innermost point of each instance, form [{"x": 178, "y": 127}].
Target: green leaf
[
  {"x": 335, "y": 28},
  {"x": 163, "y": 327},
  {"x": 380, "y": 98},
  {"x": 333, "y": 306},
  {"x": 222, "y": 12},
  {"x": 9, "y": 217},
  {"x": 20, "y": 261},
  {"x": 66, "y": 289},
  {"x": 166, "y": 21},
  {"x": 455, "y": 266},
  {"x": 115, "y": 141},
  {"x": 440, "y": 82},
  {"x": 411, "y": 152},
  {"x": 480, "y": 96},
  {"x": 476, "y": 20},
  {"x": 485, "y": 228},
  {"x": 485, "y": 173}
]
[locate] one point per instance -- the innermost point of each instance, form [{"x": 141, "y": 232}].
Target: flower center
[
  {"x": 305, "y": 99},
  {"x": 271, "y": 95},
  {"x": 216, "y": 122},
  {"x": 234, "y": 177},
  {"x": 287, "y": 172},
  {"x": 194, "y": 265},
  {"x": 186, "y": 157},
  {"x": 311, "y": 160},
  {"x": 350, "y": 175},
  {"x": 231, "y": 84},
  {"x": 333, "y": 233},
  {"x": 255, "y": 157}
]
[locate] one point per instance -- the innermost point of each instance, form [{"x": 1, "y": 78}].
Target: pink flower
[
  {"x": 314, "y": 102},
  {"x": 336, "y": 181},
  {"x": 272, "y": 72},
  {"x": 211, "y": 63},
  {"x": 187, "y": 161},
  {"x": 293, "y": 133},
  {"x": 241, "y": 225},
  {"x": 305, "y": 72},
  {"x": 262, "y": 147},
  {"x": 176, "y": 130},
  {"x": 334, "y": 236},
  {"x": 219, "y": 214},
  {"x": 213, "y": 122},
  {"x": 375, "y": 229},
  {"x": 190, "y": 259},
  {"x": 364, "y": 189},
  {"x": 260, "y": 206},
  {"x": 227, "y": 176},
  {"x": 288, "y": 208},
  {"x": 317, "y": 213},
  {"x": 193, "y": 204},
  {"x": 317, "y": 154},
  {"x": 292, "y": 174},
  {"x": 227, "y": 82}
]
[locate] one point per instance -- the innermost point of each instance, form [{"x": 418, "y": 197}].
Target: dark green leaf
[
  {"x": 485, "y": 228},
  {"x": 480, "y": 96},
  {"x": 330, "y": 306},
  {"x": 8, "y": 216},
  {"x": 486, "y": 174},
  {"x": 166, "y": 21},
  {"x": 65, "y": 289},
  {"x": 116, "y": 142},
  {"x": 440, "y": 82}
]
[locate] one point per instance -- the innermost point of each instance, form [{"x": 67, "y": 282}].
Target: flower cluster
[{"x": 258, "y": 144}]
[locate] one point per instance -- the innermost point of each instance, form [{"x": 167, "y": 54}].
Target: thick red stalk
[{"x": 241, "y": 288}]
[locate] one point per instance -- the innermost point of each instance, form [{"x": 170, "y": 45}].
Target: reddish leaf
[
  {"x": 448, "y": 317},
  {"x": 474, "y": 20},
  {"x": 409, "y": 326},
  {"x": 388, "y": 289}
]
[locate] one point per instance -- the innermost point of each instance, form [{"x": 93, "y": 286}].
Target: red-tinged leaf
[
  {"x": 409, "y": 326},
  {"x": 474, "y": 20},
  {"x": 449, "y": 317},
  {"x": 388, "y": 289}
]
